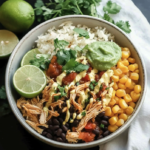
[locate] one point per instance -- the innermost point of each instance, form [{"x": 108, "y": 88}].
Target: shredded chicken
[
  {"x": 92, "y": 113},
  {"x": 20, "y": 102},
  {"x": 43, "y": 116},
  {"x": 52, "y": 113},
  {"x": 56, "y": 94},
  {"x": 82, "y": 87},
  {"x": 72, "y": 137}
]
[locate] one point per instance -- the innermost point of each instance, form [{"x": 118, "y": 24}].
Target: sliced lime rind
[
  {"x": 29, "y": 81},
  {"x": 30, "y": 55}
]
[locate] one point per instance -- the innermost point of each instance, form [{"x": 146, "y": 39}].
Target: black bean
[
  {"x": 48, "y": 135},
  {"x": 96, "y": 131},
  {"x": 106, "y": 128},
  {"x": 55, "y": 138},
  {"x": 59, "y": 139},
  {"x": 59, "y": 111},
  {"x": 67, "y": 124},
  {"x": 51, "y": 127},
  {"x": 60, "y": 120},
  {"x": 71, "y": 109},
  {"x": 75, "y": 123},
  {"x": 49, "y": 122},
  {"x": 64, "y": 104},
  {"x": 50, "y": 131},
  {"x": 71, "y": 115},
  {"x": 106, "y": 118},
  {"x": 44, "y": 133},
  {"x": 55, "y": 132},
  {"x": 104, "y": 122},
  {"x": 56, "y": 122},
  {"x": 101, "y": 132},
  {"x": 99, "y": 137},
  {"x": 42, "y": 127},
  {"x": 64, "y": 128},
  {"x": 63, "y": 135},
  {"x": 101, "y": 114},
  {"x": 59, "y": 131},
  {"x": 106, "y": 133},
  {"x": 98, "y": 119},
  {"x": 55, "y": 127}
]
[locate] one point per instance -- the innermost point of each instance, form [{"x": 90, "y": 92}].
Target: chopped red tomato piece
[
  {"x": 99, "y": 94},
  {"x": 89, "y": 70},
  {"x": 90, "y": 126},
  {"x": 69, "y": 78},
  {"x": 87, "y": 136},
  {"x": 86, "y": 78},
  {"x": 101, "y": 73},
  {"x": 54, "y": 68},
  {"x": 104, "y": 86},
  {"x": 96, "y": 77}
]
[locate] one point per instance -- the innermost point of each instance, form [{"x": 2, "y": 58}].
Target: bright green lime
[
  {"x": 8, "y": 41},
  {"x": 29, "y": 81},
  {"x": 29, "y": 56},
  {"x": 16, "y": 15}
]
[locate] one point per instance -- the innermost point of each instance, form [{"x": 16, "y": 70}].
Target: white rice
[{"x": 45, "y": 42}]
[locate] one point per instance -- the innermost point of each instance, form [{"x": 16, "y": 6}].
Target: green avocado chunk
[{"x": 103, "y": 55}]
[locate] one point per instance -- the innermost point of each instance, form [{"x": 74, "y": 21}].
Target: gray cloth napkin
[{"x": 137, "y": 137}]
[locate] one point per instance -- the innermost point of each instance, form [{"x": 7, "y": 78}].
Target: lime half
[
  {"x": 30, "y": 55},
  {"x": 29, "y": 81},
  {"x": 8, "y": 41}
]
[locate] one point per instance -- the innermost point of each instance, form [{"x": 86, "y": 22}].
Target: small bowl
[{"x": 26, "y": 44}]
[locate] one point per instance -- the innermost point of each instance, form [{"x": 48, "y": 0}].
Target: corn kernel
[
  {"x": 128, "y": 82},
  {"x": 112, "y": 102},
  {"x": 112, "y": 128},
  {"x": 136, "y": 66},
  {"x": 134, "y": 76},
  {"x": 135, "y": 96},
  {"x": 123, "y": 104},
  {"x": 108, "y": 111},
  {"x": 117, "y": 72},
  {"x": 132, "y": 86},
  {"x": 127, "y": 98},
  {"x": 115, "y": 78},
  {"x": 129, "y": 110},
  {"x": 137, "y": 89},
  {"x": 113, "y": 120},
  {"x": 120, "y": 93},
  {"x": 131, "y": 67},
  {"x": 128, "y": 91},
  {"x": 115, "y": 86},
  {"x": 125, "y": 54},
  {"x": 123, "y": 68},
  {"x": 125, "y": 62},
  {"x": 132, "y": 104},
  {"x": 131, "y": 60},
  {"x": 123, "y": 116},
  {"x": 115, "y": 109},
  {"x": 123, "y": 79},
  {"x": 116, "y": 99},
  {"x": 121, "y": 86},
  {"x": 120, "y": 122},
  {"x": 112, "y": 114},
  {"x": 113, "y": 68},
  {"x": 137, "y": 71},
  {"x": 113, "y": 94},
  {"x": 120, "y": 111}
]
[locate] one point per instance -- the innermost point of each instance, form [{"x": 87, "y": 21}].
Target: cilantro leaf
[
  {"x": 101, "y": 87},
  {"x": 62, "y": 91},
  {"x": 73, "y": 65},
  {"x": 83, "y": 113},
  {"x": 39, "y": 3},
  {"x": 41, "y": 61},
  {"x": 87, "y": 100},
  {"x": 60, "y": 44},
  {"x": 77, "y": 83},
  {"x": 2, "y": 92},
  {"x": 107, "y": 88},
  {"x": 4, "y": 109},
  {"x": 101, "y": 125},
  {"x": 111, "y": 8},
  {"x": 125, "y": 26},
  {"x": 56, "y": 97},
  {"x": 108, "y": 18},
  {"x": 81, "y": 32}
]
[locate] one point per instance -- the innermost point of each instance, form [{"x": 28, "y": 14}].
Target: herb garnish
[
  {"x": 73, "y": 65},
  {"x": 82, "y": 32},
  {"x": 83, "y": 113},
  {"x": 62, "y": 91},
  {"x": 56, "y": 97},
  {"x": 107, "y": 88},
  {"x": 41, "y": 61},
  {"x": 92, "y": 85},
  {"x": 60, "y": 44},
  {"x": 125, "y": 26},
  {"x": 77, "y": 83},
  {"x": 101, "y": 125},
  {"x": 2, "y": 92},
  {"x": 87, "y": 100},
  {"x": 101, "y": 87}
]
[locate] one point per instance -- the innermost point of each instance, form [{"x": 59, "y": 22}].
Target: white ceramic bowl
[{"x": 26, "y": 44}]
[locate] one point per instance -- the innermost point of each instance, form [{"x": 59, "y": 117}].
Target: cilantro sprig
[
  {"x": 92, "y": 85},
  {"x": 41, "y": 61},
  {"x": 62, "y": 91},
  {"x": 83, "y": 113},
  {"x": 81, "y": 32}
]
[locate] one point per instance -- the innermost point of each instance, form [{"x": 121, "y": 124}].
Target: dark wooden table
[{"x": 12, "y": 135}]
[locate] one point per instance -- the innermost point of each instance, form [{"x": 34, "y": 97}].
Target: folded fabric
[{"x": 137, "y": 136}]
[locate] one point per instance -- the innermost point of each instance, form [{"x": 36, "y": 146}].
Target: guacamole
[{"x": 103, "y": 55}]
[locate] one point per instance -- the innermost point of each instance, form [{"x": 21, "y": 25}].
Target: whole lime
[{"x": 16, "y": 15}]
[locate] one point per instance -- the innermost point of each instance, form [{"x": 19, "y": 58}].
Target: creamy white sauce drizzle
[
  {"x": 92, "y": 74},
  {"x": 82, "y": 60},
  {"x": 60, "y": 77}
]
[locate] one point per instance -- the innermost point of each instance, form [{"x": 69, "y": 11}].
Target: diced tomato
[
  {"x": 54, "y": 68},
  {"x": 89, "y": 70},
  {"x": 104, "y": 86},
  {"x": 101, "y": 73},
  {"x": 96, "y": 77},
  {"x": 87, "y": 136},
  {"x": 99, "y": 94},
  {"x": 90, "y": 126},
  {"x": 86, "y": 78},
  {"x": 69, "y": 78}
]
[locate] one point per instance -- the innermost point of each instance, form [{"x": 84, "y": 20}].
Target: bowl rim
[{"x": 68, "y": 145}]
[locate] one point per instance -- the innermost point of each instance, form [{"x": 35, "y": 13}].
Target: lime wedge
[
  {"x": 29, "y": 56},
  {"x": 8, "y": 41},
  {"x": 29, "y": 81}
]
